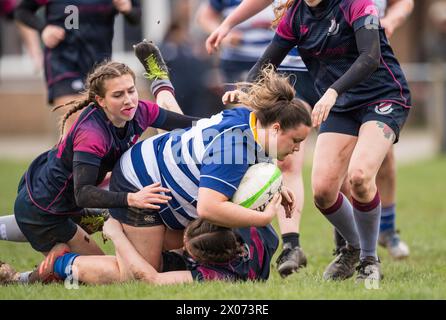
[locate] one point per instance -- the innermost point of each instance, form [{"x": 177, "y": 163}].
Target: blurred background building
[{"x": 420, "y": 46}]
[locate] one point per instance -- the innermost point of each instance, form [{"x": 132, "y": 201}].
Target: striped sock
[
  {"x": 341, "y": 217},
  {"x": 367, "y": 217},
  {"x": 62, "y": 266}
]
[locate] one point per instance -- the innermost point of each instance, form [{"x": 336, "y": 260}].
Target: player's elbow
[
  {"x": 80, "y": 199},
  {"x": 372, "y": 62},
  {"x": 203, "y": 210}
]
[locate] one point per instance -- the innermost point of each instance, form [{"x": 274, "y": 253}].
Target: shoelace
[{"x": 155, "y": 71}]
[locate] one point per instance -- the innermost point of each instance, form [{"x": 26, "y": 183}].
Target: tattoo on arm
[{"x": 387, "y": 131}]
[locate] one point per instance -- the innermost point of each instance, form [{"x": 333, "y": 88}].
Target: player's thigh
[
  {"x": 173, "y": 239},
  {"x": 148, "y": 241},
  {"x": 374, "y": 141},
  {"x": 331, "y": 157}
]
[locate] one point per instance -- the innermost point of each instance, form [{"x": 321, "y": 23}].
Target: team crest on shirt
[
  {"x": 133, "y": 140},
  {"x": 384, "y": 108},
  {"x": 334, "y": 28}
]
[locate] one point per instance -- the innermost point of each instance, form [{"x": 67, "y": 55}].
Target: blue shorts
[
  {"x": 349, "y": 122},
  {"x": 131, "y": 216}
]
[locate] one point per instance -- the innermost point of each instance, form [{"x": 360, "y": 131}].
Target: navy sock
[
  {"x": 292, "y": 238},
  {"x": 387, "y": 219},
  {"x": 62, "y": 266}
]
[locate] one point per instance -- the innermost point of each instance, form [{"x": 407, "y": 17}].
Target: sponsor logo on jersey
[
  {"x": 334, "y": 28},
  {"x": 384, "y": 108}
]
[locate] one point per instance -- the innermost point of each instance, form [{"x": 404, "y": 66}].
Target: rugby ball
[{"x": 258, "y": 186}]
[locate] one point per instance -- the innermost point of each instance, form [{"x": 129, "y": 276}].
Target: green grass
[{"x": 421, "y": 217}]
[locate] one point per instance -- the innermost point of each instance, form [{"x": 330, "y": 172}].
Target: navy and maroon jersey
[
  {"x": 7, "y": 8},
  {"x": 328, "y": 47},
  {"x": 92, "y": 140},
  {"x": 260, "y": 245},
  {"x": 84, "y": 45}
]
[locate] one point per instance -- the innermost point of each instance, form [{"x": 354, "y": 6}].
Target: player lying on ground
[
  {"x": 210, "y": 252},
  {"x": 203, "y": 165}
]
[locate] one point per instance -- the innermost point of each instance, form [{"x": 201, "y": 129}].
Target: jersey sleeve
[
  {"x": 285, "y": 28},
  {"x": 26, "y": 13},
  {"x": 147, "y": 113},
  {"x": 207, "y": 273},
  {"x": 217, "y": 5},
  {"x": 7, "y": 8},
  {"x": 361, "y": 13},
  {"x": 90, "y": 144},
  {"x": 226, "y": 161}
]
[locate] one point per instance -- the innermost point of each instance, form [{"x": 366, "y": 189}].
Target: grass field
[{"x": 421, "y": 217}]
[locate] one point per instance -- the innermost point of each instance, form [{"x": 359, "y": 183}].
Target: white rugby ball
[{"x": 258, "y": 186}]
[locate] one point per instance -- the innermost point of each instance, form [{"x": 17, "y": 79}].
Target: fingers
[
  {"x": 151, "y": 206},
  {"x": 155, "y": 199},
  {"x": 211, "y": 43},
  {"x": 277, "y": 200},
  {"x": 325, "y": 114},
  {"x": 315, "y": 115},
  {"x": 318, "y": 115},
  {"x": 156, "y": 190},
  {"x": 230, "y": 97},
  {"x": 225, "y": 98},
  {"x": 217, "y": 42},
  {"x": 156, "y": 187},
  {"x": 287, "y": 196}
]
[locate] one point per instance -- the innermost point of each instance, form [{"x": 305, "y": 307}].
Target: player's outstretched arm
[
  {"x": 397, "y": 13},
  {"x": 244, "y": 11}
]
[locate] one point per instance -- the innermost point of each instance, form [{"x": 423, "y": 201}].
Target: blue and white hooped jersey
[
  {"x": 257, "y": 34},
  {"x": 215, "y": 154}
]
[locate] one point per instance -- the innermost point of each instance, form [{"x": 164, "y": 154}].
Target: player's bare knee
[
  {"x": 324, "y": 195},
  {"x": 360, "y": 182}
]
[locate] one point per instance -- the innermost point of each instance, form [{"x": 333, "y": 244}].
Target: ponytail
[{"x": 273, "y": 99}]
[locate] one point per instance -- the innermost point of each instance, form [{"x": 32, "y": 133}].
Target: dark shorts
[
  {"x": 65, "y": 87},
  {"x": 351, "y": 121},
  {"x": 43, "y": 230},
  {"x": 304, "y": 86},
  {"x": 131, "y": 216}
]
